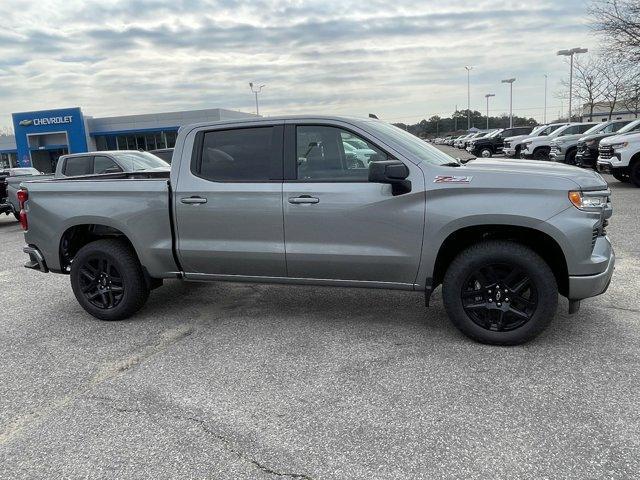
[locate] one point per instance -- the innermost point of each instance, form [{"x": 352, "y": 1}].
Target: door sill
[{"x": 208, "y": 277}]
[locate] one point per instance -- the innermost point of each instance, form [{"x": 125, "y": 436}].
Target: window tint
[
  {"x": 101, "y": 164},
  {"x": 75, "y": 166},
  {"x": 240, "y": 155},
  {"x": 584, "y": 128},
  {"x": 333, "y": 154}
]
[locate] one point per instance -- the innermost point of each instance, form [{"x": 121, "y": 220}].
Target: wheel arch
[{"x": 540, "y": 242}]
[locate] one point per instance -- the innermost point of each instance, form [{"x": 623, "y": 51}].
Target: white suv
[
  {"x": 513, "y": 145},
  {"x": 620, "y": 156},
  {"x": 539, "y": 147}
]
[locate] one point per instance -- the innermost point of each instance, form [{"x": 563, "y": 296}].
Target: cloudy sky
[{"x": 403, "y": 60}]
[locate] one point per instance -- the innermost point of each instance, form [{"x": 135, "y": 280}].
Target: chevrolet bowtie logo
[{"x": 25, "y": 123}]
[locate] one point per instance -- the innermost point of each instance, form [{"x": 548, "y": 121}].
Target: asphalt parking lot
[{"x": 231, "y": 381}]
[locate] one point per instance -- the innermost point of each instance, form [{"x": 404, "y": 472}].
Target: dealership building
[{"x": 42, "y": 136}]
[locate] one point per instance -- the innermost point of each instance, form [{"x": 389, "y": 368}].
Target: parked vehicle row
[
  {"x": 280, "y": 200},
  {"x": 493, "y": 142}
]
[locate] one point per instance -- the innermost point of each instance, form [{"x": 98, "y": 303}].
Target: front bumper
[
  {"x": 586, "y": 158},
  {"x": 557, "y": 156},
  {"x": 509, "y": 152},
  {"x": 585, "y": 286}
]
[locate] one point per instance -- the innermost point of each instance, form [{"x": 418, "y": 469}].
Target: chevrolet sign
[{"x": 46, "y": 121}]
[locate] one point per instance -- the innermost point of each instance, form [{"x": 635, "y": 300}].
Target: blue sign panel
[{"x": 63, "y": 120}]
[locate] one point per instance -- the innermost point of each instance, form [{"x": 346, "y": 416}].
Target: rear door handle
[
  {"x": 303, "y": 199},
  {"x": 193, "y": 200}
]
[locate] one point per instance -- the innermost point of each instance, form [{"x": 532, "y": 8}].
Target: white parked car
[
  {"x": 539, "y": 147},
  {"x": 513, "y": 145}
]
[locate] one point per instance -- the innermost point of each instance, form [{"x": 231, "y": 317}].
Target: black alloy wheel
[
  {"x": 108, "y": 280},
  {"x": 499, "y": 297},
  {"x": 101, "y": 283},
  {"x": 500, "y": 292}
]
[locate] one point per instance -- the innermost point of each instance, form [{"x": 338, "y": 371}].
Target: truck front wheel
[
  {"x": 486, "y": 152},
  {"x": 107, "y": 280},
  {"x": 500, "y": 292}
]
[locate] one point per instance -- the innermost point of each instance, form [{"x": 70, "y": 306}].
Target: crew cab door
[
  {"x": 228, "y": 202},
  {"x": 338, "y": 225}
]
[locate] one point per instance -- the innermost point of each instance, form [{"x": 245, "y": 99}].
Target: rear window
[
  {"x": 239, "y": 155},
  {"x": 75, "y": 166}
]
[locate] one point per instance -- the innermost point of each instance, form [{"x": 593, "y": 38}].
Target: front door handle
[
  {"x": 193, "y": 200},
  {"x": 303, "y": 199}
]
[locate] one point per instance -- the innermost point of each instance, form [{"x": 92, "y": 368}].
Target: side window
[
  {"x": 101, "y": 164},
  {"x": 75, "y": 166},
  {"x": 240, "y": 155},
  {"x": 333, "y": 154},
  {"x": 584, "y": 128}
]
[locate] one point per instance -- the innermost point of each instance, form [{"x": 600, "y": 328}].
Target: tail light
[{"x": 23, "y": 196}]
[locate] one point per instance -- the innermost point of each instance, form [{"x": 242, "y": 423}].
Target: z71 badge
[{"x": 452, "y": 179}]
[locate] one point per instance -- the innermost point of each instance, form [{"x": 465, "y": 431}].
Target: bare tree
[
  {"x": 619, "y": 23},
  {"x": 589, "y": 81},
  {"x": 631, "y": 99},
  {"x": 619, "y": 77}
]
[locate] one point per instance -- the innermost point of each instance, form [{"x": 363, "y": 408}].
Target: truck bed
[{"x": 135, "y": 204}]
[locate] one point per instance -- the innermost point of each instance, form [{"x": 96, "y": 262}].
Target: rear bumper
[
  {"x": 585, "y": 286},
  {"x": 36, "y": 260}
]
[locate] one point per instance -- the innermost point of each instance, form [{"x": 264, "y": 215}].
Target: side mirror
[{"x": 393, "y": 172}]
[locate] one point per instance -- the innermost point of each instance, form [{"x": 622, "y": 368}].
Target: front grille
[
  {"x": 582, "y": 147},
  {"x": 555, "y": 149},
  {"x": 606, "y": 152},
  {"x": 507, "y": 145}
]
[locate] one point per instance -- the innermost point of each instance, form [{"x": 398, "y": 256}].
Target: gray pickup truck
[{"x": 283, "y": 200}]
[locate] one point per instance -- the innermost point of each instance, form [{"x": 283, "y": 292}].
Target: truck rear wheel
[
  {"x": 541, "y": 154},
  {"x": 107, "y": 280},
  {"x": 500, "y": 292},
  {"x": 620, "y": 176}
]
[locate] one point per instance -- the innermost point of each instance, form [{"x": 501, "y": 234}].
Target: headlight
[
  {"x": 589, "y": 203},
  {"x": 619, "y": 145}
]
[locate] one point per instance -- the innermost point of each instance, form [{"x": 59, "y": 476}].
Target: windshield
[
  {"x": 24, "y": 171},
  {"x": 558, "y": 132},
  {"x": 494, "y": 133},
  {"x": 134, "y": 161},
  {"x": 596, "y": 128},
  {"x": 630, "y": 127},
  {"x": 422, "y": 151},
  {"x": 536, "y": 130}
]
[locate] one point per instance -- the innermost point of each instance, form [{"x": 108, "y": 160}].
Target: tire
[
  {"x": 489, "y": 315},
  {"x": 620, "y": 176},
  {"x": 517, "y": 154},
  {"x": 541, "y": 154},
  {"x": 570, "y": 158},
  {"x": 634, "y": 173},
  {"x": 486, "y": 153},
  {"x": 108, "y": 281}
]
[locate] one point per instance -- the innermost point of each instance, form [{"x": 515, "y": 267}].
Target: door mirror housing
[{"x": 393, "y": 172}]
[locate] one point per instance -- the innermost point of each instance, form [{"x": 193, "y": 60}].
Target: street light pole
[
  {"x": 571, "y": 53},
  {"x": 487, "y": 96},
  {"x": 256, "y": 90},
  {"x": 468, "y": 68},
  {"x": 510, "y": 82},
  {"x": 545, "y": 99}
]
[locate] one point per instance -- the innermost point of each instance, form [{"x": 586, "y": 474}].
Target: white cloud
[{"x": 402, "y": 60}]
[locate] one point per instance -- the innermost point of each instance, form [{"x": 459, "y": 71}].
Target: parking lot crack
[
  {"x": 241, "y": 455},
  {"x": 111, "y": 371}
]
